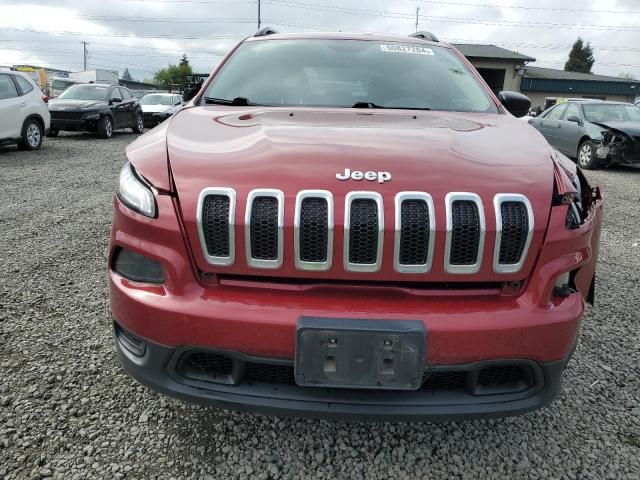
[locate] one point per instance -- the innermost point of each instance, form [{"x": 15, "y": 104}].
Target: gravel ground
[{"x": 67, "y": 410}]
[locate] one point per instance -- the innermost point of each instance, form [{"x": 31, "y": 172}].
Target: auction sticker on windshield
[{"x": 417, "y": 50}]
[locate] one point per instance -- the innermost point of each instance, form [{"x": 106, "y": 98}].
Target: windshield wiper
[
  {"x": 373, "y": 105},
  {"x": 239, "y": 101}
]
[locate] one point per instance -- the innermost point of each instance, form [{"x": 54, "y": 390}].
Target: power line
[
  {"x": 116, "y": 35},
  {"x": 522, "y": 7}
]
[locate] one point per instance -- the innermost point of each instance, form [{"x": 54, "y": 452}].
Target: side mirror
[
  {"x": 116, "y": 100},
  {"x": 573, "y": 118},
  {"x": 516, "y": 104}
]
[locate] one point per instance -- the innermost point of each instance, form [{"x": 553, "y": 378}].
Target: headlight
[{"x": 136, "y": 193}]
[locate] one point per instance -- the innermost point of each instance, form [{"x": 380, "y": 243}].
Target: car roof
[
  {"x": 346, "y": 36},
  {"x": 598, "y": 102}
]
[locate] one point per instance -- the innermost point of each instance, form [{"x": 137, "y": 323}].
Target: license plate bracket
[{"x": 360, "y": 353}]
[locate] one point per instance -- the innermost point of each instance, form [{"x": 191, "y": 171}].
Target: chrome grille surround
[
  {"x": 254, "y": 194},
  {"x": 349, "y": 199},
  {"x": 420, "y": 268},
  {"x": 231, "y": 194},
  {"x": 449, "y": 200},
  {"x": 328, "y": 197},
  {"x": 498, "y": 200}
]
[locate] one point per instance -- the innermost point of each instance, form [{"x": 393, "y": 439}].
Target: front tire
[
  {"x": 31, "y": 135},
  {"x": 587, "y": 157},
  {"x": 105, "y": 127},
  {"x": 139, "y": 128},
  {"x": 53, "y": 132}
]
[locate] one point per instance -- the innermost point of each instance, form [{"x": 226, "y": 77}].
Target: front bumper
[
  {"x": 158, "y": 368},
  {"x": 73, "y": 125}
]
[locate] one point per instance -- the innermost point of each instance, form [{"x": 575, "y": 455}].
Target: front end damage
[{"x": 619, "y": 147}]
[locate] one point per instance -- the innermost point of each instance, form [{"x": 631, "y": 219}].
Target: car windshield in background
[
  {"x": 85, "y": 92},
  {"x": 608, "y": 112},
  {"x": 348, "y": 73},
  {"x": 157, "y": 100}
]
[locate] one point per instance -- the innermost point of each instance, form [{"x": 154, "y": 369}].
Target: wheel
[
  {"x": 105, "y": 127},
  {"x": 31, "y": 135},
  {"x": 139, "y": 128},
  {"x": 587, "y": 157},
  {"x": 53, "y": 132}
]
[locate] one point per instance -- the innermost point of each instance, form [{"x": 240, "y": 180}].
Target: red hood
[{"x": 298, "y": 149}]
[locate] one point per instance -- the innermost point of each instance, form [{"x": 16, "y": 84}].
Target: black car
[{"x": 97, "y": 108}]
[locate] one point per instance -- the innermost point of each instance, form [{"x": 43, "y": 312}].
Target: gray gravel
[{"x": 67, "y": 410}]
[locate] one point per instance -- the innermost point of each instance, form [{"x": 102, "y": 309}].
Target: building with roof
[
  {"x": 539, "y": 83},
  {"x": 502, "y": 69}
]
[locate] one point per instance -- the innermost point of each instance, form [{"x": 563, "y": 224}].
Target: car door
[
  {"x": 10, "y": 108},
  {"x": 570, "y": 130},
  {"x": 549, "y": 124},
  {"x": 129, "y": 107},
  {"x": 118, "y": 108}
]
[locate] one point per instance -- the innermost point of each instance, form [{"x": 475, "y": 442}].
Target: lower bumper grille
[{"x": 493, "y": 378}]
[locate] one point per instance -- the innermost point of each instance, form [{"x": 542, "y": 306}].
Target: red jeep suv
[{"x": 351, "y": 226}]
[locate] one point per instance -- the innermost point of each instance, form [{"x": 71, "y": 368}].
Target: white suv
[{"x": 24, "y": 115}]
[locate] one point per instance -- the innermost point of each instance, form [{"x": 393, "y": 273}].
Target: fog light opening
[{"x": 136, "y": 267}]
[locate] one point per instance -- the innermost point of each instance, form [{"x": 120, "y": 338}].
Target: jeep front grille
[{"x": 364, "y": 227}]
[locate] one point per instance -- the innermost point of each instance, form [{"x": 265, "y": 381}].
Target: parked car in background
[
  {"x": 160, "y": 117},
  {"x": 363, "y": 230},
  {"x": 575, "y": 128},
  {"x": 96, "y": 108},
  {"x": 156, "y": 103},
  {"x": 57, "y": 85},
  {"x": 24, "y": 116}
]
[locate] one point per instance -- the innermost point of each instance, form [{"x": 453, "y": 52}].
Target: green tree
[
  {"x": 580, "y": 57},
  {"x": 126, "y": 75},
  {"x": 174, "y": 77}
]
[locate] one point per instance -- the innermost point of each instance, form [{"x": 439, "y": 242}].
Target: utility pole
[
  {"x": 417, "y": 17},
  {"x": 259, "y": 20},
  {"x": 84, "y": 51}
]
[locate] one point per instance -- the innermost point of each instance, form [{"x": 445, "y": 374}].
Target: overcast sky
[{"x": 145, "y": 35}]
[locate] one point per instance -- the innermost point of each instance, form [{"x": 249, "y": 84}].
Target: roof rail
[
  {"x": 263, "y": 32},
  {"x": 425, "y": 36}
]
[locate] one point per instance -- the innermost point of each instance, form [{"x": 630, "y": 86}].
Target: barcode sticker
[{"x": 415, "y": 49}]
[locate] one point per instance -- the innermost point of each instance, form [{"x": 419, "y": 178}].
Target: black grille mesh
[
  {"x": 66, "y": 115},
  {"x": 215, "y": 224},
  {"x": 205, "y": 366},
  {"x": 213, "y": 367},
  {"x": 363, "y": 231},
  {"x": 314, "y": 232},
  {"x": 264, "y": 228},
  {"x": 414, "y": 232},
  {"x": 465, "y": 235},
  {"x": 501, "y": 375},
  {"x": 515, "y": 226},
  {"x": 265, "y": 373}
]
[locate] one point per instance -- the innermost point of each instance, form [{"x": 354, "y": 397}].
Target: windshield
[
  {"x": 611, "y": 112},
  {"x": 157, "y": 100},
  {"x": 343, "y": 73},
  {"x": 85, "y": 92}
]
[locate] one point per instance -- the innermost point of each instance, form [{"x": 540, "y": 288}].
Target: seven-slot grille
[{"x": 364, "y": 230}]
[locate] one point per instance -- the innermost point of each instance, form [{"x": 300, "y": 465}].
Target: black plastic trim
[{"x": 156, "y": 370}]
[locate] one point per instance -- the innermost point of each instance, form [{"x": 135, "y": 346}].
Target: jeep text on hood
[{"x": 351, "y": 226}]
